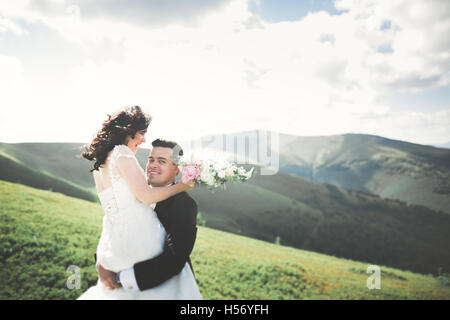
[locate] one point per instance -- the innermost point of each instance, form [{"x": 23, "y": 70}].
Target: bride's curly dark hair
[{"x": 114, "y": 131}]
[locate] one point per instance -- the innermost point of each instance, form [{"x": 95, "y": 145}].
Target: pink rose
[{"x": 189, "y": 173}]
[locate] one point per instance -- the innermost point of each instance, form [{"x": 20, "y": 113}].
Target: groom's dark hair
[{"x": 177, "y": 150}]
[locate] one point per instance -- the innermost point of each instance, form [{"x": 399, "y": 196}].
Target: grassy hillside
[
  {"x": 56, "y": 166},
  {"x": 43, "y": 233},
  {"x": 414, "y": 173},
  {"x": 58, "y": 159},
  {"x": 14, "y": 170}
]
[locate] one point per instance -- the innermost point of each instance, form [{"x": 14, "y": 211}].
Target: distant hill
[
  {"x": 56, "y": 166},
  {"x": 59, "y": 159},
  {"x": 414, "y": 173},
  {"x": 15, "y": 171},
  {"x": 303, "y": 214},
  {"x": 331, "y": 220},
  {"x": 42, "y": 233},
  {"x": 443, "y": 145}
]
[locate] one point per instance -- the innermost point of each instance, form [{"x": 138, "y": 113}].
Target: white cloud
[
  {"x": 11, "y": 84},
  {"x": 232, "y": 71},
  {"x": 418, "y": 36},
  {"x": 147, "y": 13}
]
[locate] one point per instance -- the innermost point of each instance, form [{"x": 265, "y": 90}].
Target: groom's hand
[{"x": 108, "y": 278}]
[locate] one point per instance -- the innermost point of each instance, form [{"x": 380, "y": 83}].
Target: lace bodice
[
  {"x": 118, "y": 195},
  {"x": 131, "y": 229}
]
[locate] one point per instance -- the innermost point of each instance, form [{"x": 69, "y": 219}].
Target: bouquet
[{"x": 212, "y": 172}]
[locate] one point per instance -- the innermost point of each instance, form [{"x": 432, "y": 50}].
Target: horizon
[{"x": 147, "y": 145}]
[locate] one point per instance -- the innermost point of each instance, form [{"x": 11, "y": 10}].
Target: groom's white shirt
[{"x": 127, "y": 277}]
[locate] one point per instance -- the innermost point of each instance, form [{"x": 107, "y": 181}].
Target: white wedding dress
[{"x": 132, "y": 233}]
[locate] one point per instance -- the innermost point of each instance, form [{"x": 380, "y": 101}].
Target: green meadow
[{"x": 43, "y": 233}]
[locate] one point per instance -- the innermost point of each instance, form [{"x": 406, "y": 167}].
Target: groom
[{"x": 178, "y": 215}]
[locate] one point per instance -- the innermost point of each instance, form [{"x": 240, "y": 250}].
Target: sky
[{"x": 203, "y": 67}]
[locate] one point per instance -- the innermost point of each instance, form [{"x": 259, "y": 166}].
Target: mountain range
[
  {"x": 413, "y": 173},
  {"x": 297, "y": 206}
]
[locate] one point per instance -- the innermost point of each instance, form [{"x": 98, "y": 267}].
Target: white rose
[
  {"x": 221, "y": 164},
  {"x": 211, "y": 181},
  {"x": 206, "y": 164},
  {"x": 206, "y": 177},
  {"x": 217, "y": 166},
  {"x": 221, "y": 174}
]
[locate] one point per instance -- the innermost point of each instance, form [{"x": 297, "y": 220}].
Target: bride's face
[{"x": 139, "y": 138}]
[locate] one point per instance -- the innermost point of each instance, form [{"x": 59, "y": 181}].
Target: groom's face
[{"x": 160, "y": 169}]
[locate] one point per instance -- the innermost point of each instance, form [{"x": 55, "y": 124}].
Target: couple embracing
[{"x": 149, "y": 225}]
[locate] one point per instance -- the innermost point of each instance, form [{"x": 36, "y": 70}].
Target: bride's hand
[
  {"x": 108, "y": 278},
  {"x": 187, "y": 186}
]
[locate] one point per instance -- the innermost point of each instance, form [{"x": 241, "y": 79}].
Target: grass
[{"x": 43, "y": 233}]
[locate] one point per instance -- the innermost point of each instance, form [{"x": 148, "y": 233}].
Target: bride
[{"x": 131, "y": 229}]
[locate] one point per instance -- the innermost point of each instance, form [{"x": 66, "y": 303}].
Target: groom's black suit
[{"x": 178, "y": 215}]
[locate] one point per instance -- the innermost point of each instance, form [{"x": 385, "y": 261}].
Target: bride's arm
[{"x": 132, "y": 174}]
